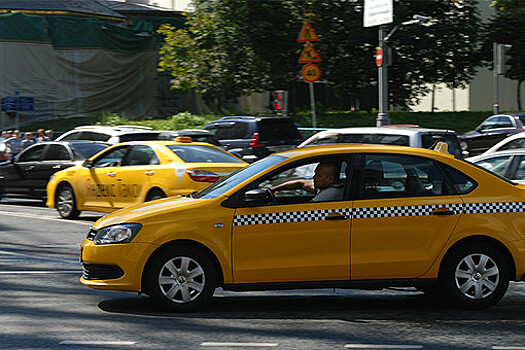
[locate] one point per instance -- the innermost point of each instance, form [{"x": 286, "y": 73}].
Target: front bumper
[{"x": 114, "y": 266}]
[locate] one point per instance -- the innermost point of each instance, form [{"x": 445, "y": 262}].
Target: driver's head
[{"x": 326, "y": 175}]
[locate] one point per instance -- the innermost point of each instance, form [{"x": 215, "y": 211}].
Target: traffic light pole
[
  {"x": 312, "y": 104},
  {"x": 383, "y": 117},
  {"x": 495, "y": 73}
]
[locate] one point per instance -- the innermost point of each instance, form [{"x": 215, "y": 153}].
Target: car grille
[
  {"x": 91, "y": 233},
  {"x": 101, "y": 272}
]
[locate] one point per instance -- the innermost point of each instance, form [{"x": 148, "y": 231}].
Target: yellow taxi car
[
  {"x": 130, "y": 173},
  {"x": 401, "y": 216}
]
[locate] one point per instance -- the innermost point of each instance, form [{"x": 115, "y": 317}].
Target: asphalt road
[{"x": 44, "y": 306}]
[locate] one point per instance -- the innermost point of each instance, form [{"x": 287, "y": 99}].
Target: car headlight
[{"x": 120, "y": 233}]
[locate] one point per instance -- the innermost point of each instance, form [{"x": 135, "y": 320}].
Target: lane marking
[
  {"x": 38, "y": 272},
  {"x": 95, "y": 342},
  {"x": 508, "y": 348},
  {"x": 240, "y": 344},
  {"x": 34, "y": 216},
  {"x": 33, "y": 257},
  {"x": 382, "y": 346}
]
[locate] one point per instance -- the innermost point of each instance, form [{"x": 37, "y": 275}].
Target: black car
[
  {"x": 255, "y": 137},
  {"x": 197, "y": 135},
  {"x": 491, "y": 131},
  {"x": 26, "y": 175}
]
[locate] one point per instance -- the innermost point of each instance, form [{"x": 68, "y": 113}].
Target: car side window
[
  {"x": 490, "y": 123},
  {"x": 396, "y": 176},
  {"x": 520, "y": 172},
  {"x": 111, "y": 158},
  {"x": 517, "y": 143},
  {"x": 461, "y": 182},
  {"x": 33, "y": 154},
  {"x": 497, "y": 165},
  {"x": 232, "y": 130},
  {"x": 140, "y": 155},
  {"x": 73, "y": 136},
  {"x": 505, "y": 122},
  {"x": 56, "y": 152},
  {"x": 95, "y": 136}
]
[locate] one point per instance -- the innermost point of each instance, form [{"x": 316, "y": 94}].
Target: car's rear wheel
[
  {"x": 154, "y": 195},
  {"x": 475, "y": 275},
  {"x": 66, "y": 203},
  {"x": 182, "y": 278}
]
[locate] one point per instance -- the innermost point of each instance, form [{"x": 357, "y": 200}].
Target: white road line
[
  {"x": 34, "y": 216},
  {"x": 508, "y": 348},
  {"x": 95, "y": 342},
  {"x": 32, "y": 256},
  {"x": 240, "y": 344},
  {"x": 382, "y": 346},
  {"x": 38, "y": 272}
]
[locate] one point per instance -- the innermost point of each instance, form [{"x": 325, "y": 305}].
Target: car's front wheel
[
  {"x": 182, "y": 278},
  {"x": 66, "y": 203},
  {"x": 475, "y": 275}
]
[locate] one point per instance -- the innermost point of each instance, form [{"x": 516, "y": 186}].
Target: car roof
[
  {"x": 164, "y": 143},
  {"x": 250, "y": 117},
  {"x": 496, "y": 154},
  {"x": 186, "y": 131},
  {"x": 111, "y": 130},
  {"x": 382, "y": 130}
]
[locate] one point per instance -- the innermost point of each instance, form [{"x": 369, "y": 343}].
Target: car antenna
[{"x": 438, "y": 140}]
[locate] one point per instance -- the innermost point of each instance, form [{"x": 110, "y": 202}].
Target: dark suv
[{"x": 252, "y": 138}]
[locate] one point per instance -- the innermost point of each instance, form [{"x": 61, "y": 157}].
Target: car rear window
[
  {"x": 85, "y": 150},
  {"x": 278, "y": 129},
  {"x": 384, "y": 139},
  {"x": 429, "y": 140},
  {"x": 139, "y": 136},
  {"x": 202, "y": 154}
]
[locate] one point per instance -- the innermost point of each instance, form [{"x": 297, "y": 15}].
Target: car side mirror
[
  {"x": 87, "y": 163},
  {"x": 256, "y": 197}
]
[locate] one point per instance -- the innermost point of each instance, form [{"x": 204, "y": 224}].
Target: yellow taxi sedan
[
  {"x": 130, "y": 173},
  {"x": 381, "y": 216}
]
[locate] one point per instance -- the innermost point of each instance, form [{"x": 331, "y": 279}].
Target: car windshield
[
  {"x": 235, "y": 178},
  {"x": 202, "y": 154},
  {"x": 85, "y": 150}
]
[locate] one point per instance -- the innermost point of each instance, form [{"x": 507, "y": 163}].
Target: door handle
[
  {"x": 443, "y": 212},
  {"x": 335, "y": 217},
  {"x": 151, "y": 172},
  {"x": 112, "y": 174},
  {"x": 57, "y": 167},
  {"x": 31, "y": 167}
]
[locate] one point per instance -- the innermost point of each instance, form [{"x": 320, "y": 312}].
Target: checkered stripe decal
[
  {"x": 509, "y": 207},
  {"x": 378, "y": 212},
  {"x": 406, "y": 210},
  {"x": 289, "y": 216}
]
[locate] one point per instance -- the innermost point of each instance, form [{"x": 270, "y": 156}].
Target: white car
[
  {"x": 110, "y": 134},
  {"x": 515, "y": 141},
  {"x": 401, "y": 136},
  {"x": 509, "y": 164}
]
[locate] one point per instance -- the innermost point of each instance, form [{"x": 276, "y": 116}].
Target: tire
[
  {"x": 66, "y": 203},
  {"x": 154, "y": 195},
  {"x": 475, "y": 276},
  {"x": 182, "y": 278}
]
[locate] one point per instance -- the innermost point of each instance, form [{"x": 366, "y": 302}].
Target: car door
[
  {"x": 292, "y": 239},
  {"x": 56, "y": 157},
  {"x": 97, "y": 186},
  {"x": 18, "y": 177},
  {"x": 138, "y": 170},
  {"x": 405, "y": 212}
]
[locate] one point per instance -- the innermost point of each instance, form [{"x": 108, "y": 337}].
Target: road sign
[
  {"x": 307, "y": 33},
  {"x": 309, "y": 55},
  {"x": 378, "y": 12},
  {"x": 379, "y": 57},
  {"x": 311, "y": 73},
  {"x": 20, "y": 103}
]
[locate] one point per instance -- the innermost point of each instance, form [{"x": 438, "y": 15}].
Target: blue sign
[{"x": 21, "y": 103}]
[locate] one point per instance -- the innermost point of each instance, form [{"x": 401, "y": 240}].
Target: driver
[{"x": 325, "y": 185}]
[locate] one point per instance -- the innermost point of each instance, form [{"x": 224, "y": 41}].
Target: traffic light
[
  {"x": 279, "y": 101},
  {"x": 503, "y": 58}
]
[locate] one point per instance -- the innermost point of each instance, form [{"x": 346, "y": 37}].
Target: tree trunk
[
  {"x": 519, "y": 95},
  {"x": 432, "y": 107}
]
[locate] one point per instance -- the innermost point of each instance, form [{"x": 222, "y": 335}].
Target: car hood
[{"x": 149, "y": 211}]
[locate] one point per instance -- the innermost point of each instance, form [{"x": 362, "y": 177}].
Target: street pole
[
  {"x": 495, "y": 74},
  {"x": 16, "y": 113},
  {"x": 382, "y": 116},
  {"x": 312, "y": 103}
]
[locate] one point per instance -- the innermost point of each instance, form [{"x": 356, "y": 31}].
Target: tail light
[
  {"x": 203, "y": 175},
  {"x": 254, "y": 142}
]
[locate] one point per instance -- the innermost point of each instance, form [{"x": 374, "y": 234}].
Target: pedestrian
[
  {"x": 14, "y": 144},
  {"x": 49, "y": 134},
  {"x": 3, "y": 138},
  {"x": 41, "y": 136},
  {"x": 28, "y": 141}
]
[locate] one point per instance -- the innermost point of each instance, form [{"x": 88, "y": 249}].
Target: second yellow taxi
[{"x": 134, "y": 172}]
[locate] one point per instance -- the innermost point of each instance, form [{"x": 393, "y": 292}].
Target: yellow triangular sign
[
  {"x": 307, "y": 33},
  {"x": 309, "y": 54}
]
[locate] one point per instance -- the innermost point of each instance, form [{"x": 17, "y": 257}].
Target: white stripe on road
[
  {"x": 37, "y": 272},
  {"x": 33, "y": 216},
  {"x": 94, "y": 342},
  {"x": 240, "y": 344},
  {"x": 508, "y": 348},
  {"x": 382, "y": 346}
]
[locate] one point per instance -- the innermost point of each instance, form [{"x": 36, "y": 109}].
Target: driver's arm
[{"x": 301, "y": 184}]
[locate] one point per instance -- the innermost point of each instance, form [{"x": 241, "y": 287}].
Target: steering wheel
[{"x": 271, "y": 195}]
